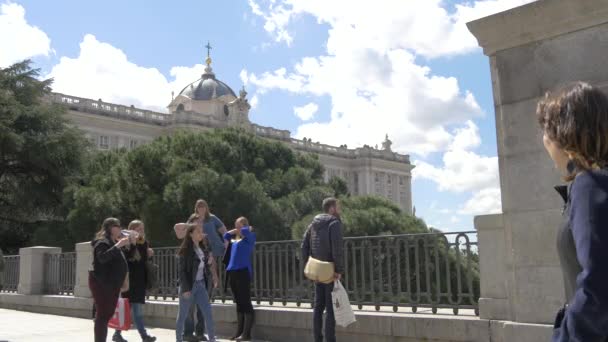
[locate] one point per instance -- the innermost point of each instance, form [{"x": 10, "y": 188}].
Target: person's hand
[
  {"x": 150, "y": 252},
  {"x": 187, "y": 294},
  {"x": 337, "y": 276},
  {"x": 122, "y": 242}
]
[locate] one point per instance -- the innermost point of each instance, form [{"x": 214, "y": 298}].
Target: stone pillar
[
  {"x": 493, "y": 303},
  {"x": 31, "y": 269},
  {"x": 84, "y": 260},
  {"x": 532, "y": 49}
]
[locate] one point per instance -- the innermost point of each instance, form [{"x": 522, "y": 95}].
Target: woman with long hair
[
  {"x": 108, "y": 274},
  {"x": 215, "y": 229},
  {"x": 193, "y": 260},
  {"x": 575, "y": 134},
  {"x": 240, "y": 275},
  {"x": 137, "y": 257}
]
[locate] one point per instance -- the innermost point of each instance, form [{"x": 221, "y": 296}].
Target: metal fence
[
  {"x": 59, "y": 273},
  {"x": 434, "y": 270},
  {"x": 10, "y": 277}
]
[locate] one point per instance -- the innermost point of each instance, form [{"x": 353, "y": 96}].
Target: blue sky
[{"x": 409, "y": 69}]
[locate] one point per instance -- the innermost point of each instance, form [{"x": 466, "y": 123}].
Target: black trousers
[
  {"x": 240, "y": 284},
  {"x": 323, "y": 303}
]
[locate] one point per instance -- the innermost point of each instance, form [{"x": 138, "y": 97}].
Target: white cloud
[
  {"x": 254, "y": 101},
  {"x": 371, "y": 73},
  {"x": 306, "y": 112},
  {"x": 377, "y": 85},
  {"x": 19, "y": 40},
  {"x": 103, "y": 71},
  {"x": 486, "y": 201},
  {"x": 424, "y": 26},
  {"x": 462, "y": 170},
  {"x": 465, "y": 171},
  {"x": 376, "y": 94}
]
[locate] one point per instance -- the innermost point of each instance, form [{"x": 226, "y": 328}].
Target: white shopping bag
[{"x": 342, "y": 311}]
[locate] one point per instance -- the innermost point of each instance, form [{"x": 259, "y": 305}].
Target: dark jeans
[
  {"x": 105, "y": 304},
  {"x": 323, "y": 303},
  {"x": 240, "y": 284},
  {"x": 189, "y": 328}
]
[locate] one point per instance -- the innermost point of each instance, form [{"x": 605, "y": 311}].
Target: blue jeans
[
  {"x": 190, "y": 329},
  {"x": 138, "y": 318},
  {"x": 200, "y": 298},
  {"x": 323, "y": 302}
]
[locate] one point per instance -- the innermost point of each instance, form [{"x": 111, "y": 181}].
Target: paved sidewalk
[{"x": 19, "y": 326}]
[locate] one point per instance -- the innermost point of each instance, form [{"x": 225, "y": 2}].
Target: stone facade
[
  {"x": 532, "y": 49},
  {"x": 209, "y": 104}
]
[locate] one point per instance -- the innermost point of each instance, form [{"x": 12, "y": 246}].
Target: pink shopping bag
[{"x": 122, "y": 315}]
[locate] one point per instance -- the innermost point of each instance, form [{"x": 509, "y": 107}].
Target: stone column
[
  {"x": 493, "y": 303},
  {"x": 532, "y": 49},
  {"x": 84, "y": 259},
  {"x": 31, "y": 269}
]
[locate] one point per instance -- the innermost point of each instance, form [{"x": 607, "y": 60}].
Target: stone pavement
[{"x": 19, "y": 326}]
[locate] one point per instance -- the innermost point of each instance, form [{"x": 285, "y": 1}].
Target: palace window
[{"x": 104, "y": 142}]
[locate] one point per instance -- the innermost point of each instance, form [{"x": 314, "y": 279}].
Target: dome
[{"x": 207, "y": 88}]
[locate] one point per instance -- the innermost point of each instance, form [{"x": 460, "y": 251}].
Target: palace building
[{"x": 209, "y": 103}]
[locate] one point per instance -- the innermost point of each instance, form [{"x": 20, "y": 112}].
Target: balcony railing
[
  {"x": 59, "y": 273},
  {"x": 418, "y": 271},
  {"x": 10, "y": 277}
]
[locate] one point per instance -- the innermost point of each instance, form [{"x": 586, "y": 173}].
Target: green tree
[
  {"x": 367, "y": 216},
  {"x": 235, "y": 171},
  {"x": 39, "y": 155}
]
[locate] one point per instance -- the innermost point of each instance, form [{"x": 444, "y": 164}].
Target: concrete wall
[
  {"x": 283, "y": 324},
  {"x": 532, "y": 49}
]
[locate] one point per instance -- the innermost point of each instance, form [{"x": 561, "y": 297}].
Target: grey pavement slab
[{"x": 19, "y": 326}]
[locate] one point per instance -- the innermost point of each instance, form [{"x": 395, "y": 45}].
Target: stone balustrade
[{"x": 187, "y": 118}]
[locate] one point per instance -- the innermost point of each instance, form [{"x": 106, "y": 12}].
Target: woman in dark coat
[
  {"x": 137, "y": 257},
  {"x": 575, "y": 127},
  {"x": 108, "y": 273}
]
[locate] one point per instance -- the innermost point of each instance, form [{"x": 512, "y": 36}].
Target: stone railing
[
  {"x": 344, "y": 152},
  {"x": 433, "y": 271},
  {"x": 163, "y": 119},
  {"x": 112, "y": 110}
]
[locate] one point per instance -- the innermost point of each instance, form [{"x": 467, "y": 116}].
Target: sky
[{"x": 338, "y": 72}]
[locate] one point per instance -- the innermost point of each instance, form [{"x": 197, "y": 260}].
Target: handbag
[
  {"x": 151, "y": 276},
  {"x": 121, "y": 320},
  {"x": 319, "y": 271},
  {"x": 343, "y": 312}
]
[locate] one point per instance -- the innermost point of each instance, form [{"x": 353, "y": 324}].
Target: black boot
[
  {"x": 246, "y": 336},
  {"x": 148, "y": 338},
  {"x": 118, "y": 337},
  {"x": 240, "y": 320}
]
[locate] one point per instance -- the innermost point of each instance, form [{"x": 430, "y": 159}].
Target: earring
[{"x": 571, "y": 167}]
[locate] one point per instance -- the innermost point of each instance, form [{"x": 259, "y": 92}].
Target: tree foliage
[
  {"x": 39, "y": 155},
  {"x": 369, "y": 216},
  {"x": 236, "y": 172}
]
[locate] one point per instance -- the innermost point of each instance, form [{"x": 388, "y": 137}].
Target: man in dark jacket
[{"x": 323, "y": 241}]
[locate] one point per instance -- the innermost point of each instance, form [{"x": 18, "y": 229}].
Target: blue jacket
[
  {"x": 240, "y": 251},
  {"x": 584, "y": 237}
]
